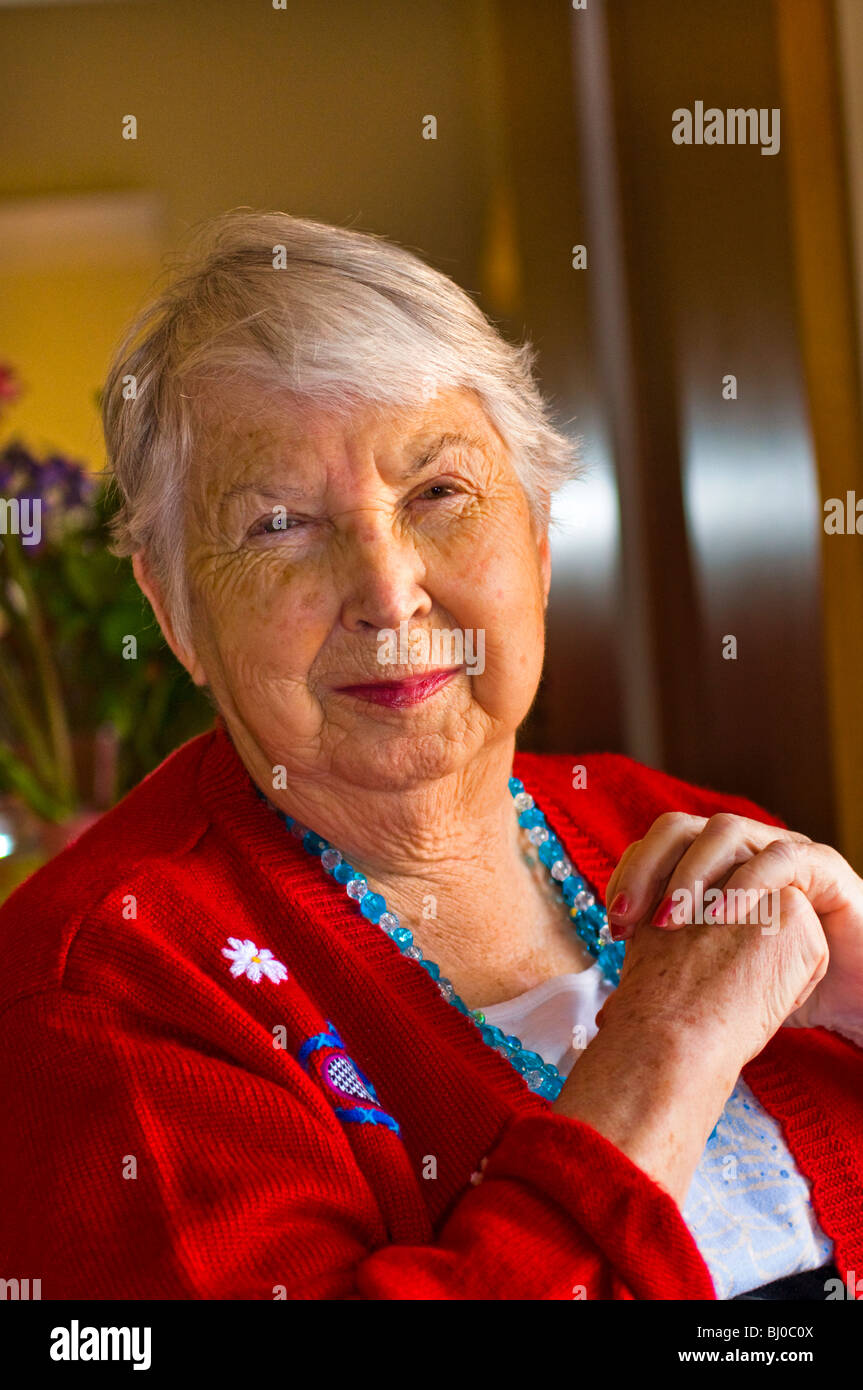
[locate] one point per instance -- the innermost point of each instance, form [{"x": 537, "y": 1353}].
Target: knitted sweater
[{"x": 174, "y": 1130}]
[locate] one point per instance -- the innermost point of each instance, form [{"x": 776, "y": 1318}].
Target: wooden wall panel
[{"x": 820, "y": 222}]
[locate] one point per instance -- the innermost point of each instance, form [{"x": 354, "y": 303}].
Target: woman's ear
[{"x": 156, "y": 598}]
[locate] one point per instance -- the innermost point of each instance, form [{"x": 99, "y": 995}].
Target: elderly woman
[{"x": 313, "y": 1013}]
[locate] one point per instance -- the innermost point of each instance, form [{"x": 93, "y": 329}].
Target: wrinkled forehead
[
  {"x": 242, "y": 421},
  {"x": 225, "y": 414}
]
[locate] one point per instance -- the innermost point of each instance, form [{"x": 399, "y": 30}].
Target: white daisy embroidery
[
  {"x": 252, "y": 963},
  {"x": 477, "y": 1177}
]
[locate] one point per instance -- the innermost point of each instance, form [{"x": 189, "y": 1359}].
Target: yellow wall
[
  {"x": 317, "y": 110},
  {"x": 58, "y": 331}
]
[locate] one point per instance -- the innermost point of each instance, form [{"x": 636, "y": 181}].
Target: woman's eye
[
  {"x": 437, "y": 491},
  {"x": 276, "y": 524}
]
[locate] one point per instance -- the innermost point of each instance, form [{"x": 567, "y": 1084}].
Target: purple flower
[
  {"x": 18, "y": 471},
  {"x": 62, "y": 488},
  {"x": 55, "y": 479}
]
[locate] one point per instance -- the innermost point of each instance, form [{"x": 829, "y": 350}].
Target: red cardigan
[{"x": 171, "y": 1131}]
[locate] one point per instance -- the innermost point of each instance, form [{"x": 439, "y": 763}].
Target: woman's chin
[{"x": 395, "y": 760}]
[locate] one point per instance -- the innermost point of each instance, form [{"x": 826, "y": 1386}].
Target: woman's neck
[{"x": 449, "y": 859}]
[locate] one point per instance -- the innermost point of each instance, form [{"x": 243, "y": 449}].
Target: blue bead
[
  {"x": 550, "y": 850},
  {"x": 610, "y": 964},
  {"x": 571, "y": 887},
  {"x": 372, "y": 906},
  {"x": 584, "y": 927},
  {"x": 587, "y": 923}
]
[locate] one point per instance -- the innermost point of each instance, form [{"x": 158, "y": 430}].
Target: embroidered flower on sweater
[
  {"x": 253, "y": 963},
  {"x": 477, "y": 1177}
]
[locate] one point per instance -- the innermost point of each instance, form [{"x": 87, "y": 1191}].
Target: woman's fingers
[
  {"x": 726, "y": 843},
  {"x": 818, "y": 871},
  {"x": 637, "y": 883},
  {"x": 611, "y": 893},
  {"x": 679, "y": 860}
]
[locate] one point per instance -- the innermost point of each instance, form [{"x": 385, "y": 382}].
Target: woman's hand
[
  {"x": 726, "y": 988},
  {"x": 692, "y": 1008},
  {"x": 682, "y": 857}
]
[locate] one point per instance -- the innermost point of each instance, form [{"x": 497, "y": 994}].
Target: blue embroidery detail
[
  {"x": 344, "y": 1080},
  {"x": 368, "y": 1117},
  {"x": 316, "y": 1043}
]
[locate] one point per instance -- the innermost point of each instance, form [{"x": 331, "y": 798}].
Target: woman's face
[{"x": 310, "y": 535}]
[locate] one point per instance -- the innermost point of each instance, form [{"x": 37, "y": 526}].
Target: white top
[{"x": 748, "y": 1208}]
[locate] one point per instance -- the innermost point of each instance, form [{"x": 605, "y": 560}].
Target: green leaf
[
  {"x": 19, "y": 778},
  {"x": 82, "y": 576},
  {"x": 117, "y": 623}
]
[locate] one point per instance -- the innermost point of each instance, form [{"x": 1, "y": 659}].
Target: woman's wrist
[{"x": 654, "y": 1093}]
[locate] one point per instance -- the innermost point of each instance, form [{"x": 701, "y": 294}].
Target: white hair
[{"x": 336, "y": 317}]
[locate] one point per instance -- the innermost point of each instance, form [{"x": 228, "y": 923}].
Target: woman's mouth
[{"x": 410, "y": 691}]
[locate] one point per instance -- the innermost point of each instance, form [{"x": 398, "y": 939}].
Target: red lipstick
[{"x": 411, "y": 691}]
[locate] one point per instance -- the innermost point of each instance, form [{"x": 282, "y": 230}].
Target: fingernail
[
  {"x": 620, "y": 930},
  {"x": 663, "y": 912},
  {"x": 620, "y": 906}
]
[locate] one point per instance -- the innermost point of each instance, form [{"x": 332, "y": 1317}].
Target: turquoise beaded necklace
[{"x": 588, "y": 914}]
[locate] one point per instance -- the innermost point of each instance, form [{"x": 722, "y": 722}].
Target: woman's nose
[{"x": 383, "y": 578}]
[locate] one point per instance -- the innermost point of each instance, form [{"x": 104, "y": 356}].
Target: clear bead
[
  {"x": 561, "y": 869},
  {"x": 446, "y": 988},
  {"x": 503, "y": 1051},
  {"x": 538, "y": 834},
  {"x": 298, "y": 830},
  {"x": 389, "y": 921},
  {"x": 357, "y": 889},
  {"x": 523, "y": 801},
  {"x": 605, "y": 937},
  {"x": 414, "y": 952},
  {"x": 534, "y": 1079},
  {"x": 583, "y": 900},
  {"x": 331, "y": 857}
]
